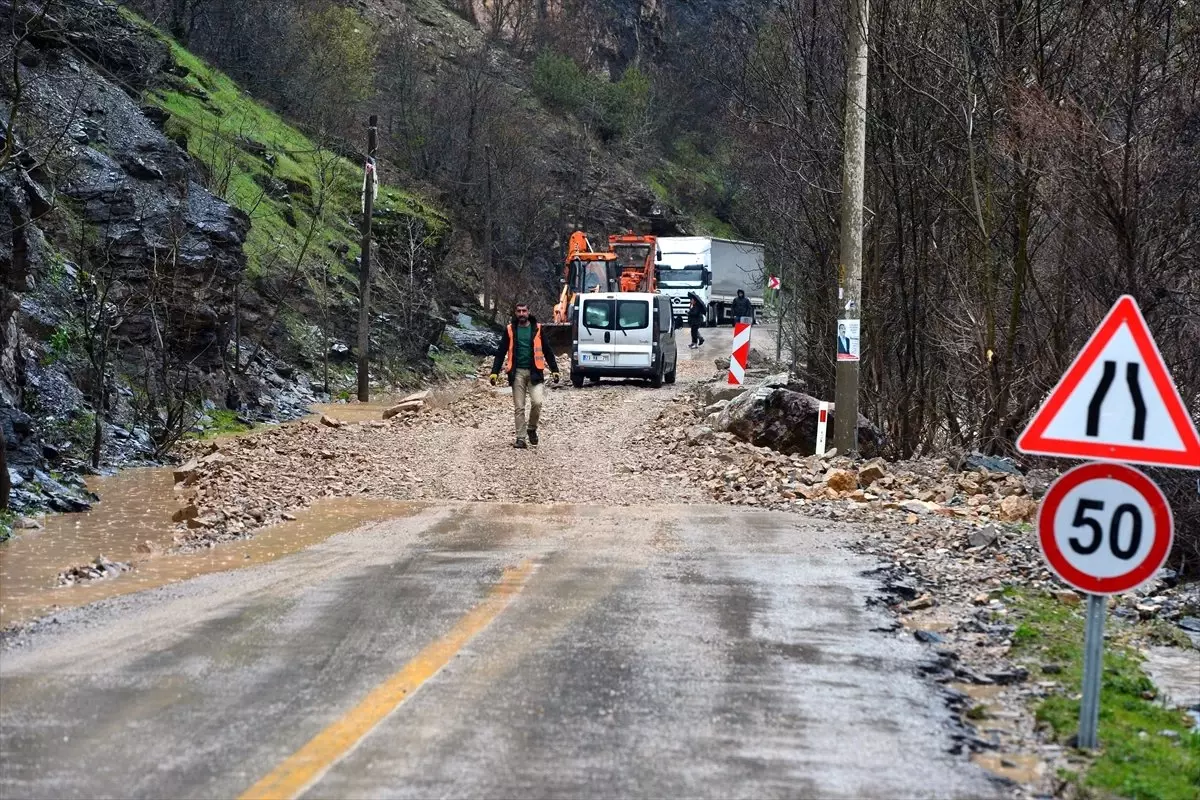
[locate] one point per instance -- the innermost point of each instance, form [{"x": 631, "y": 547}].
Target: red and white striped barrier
[{"x": 740, "y": 354}]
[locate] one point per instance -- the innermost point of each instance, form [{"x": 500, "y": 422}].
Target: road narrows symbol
[
  {"x": 1135, "y": 394},
  {"x": 1093, "y": 423},
  {"x": 1139, "y": 404}
]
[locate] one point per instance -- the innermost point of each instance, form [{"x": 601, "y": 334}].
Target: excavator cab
[
  {"x": 635, "y": 256},
  {"x": 586, "y": 270}
]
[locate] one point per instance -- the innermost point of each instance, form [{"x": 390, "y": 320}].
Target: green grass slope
[{"x": 302, "y": 198}]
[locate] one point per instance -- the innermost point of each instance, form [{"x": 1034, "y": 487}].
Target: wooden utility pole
[
  {"x": 845, "y": 421},
  {"x": 491, "y": 285},
  {"x": 364, "y": 273}
]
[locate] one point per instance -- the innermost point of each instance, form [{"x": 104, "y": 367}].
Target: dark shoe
[
  {"x": 532, "y": 436},
  {"x": 701, "y": 341},
  {"x": 519, "y": 444}
]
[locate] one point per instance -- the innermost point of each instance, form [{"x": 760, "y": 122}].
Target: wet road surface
[{"x": 486, "y": 650}]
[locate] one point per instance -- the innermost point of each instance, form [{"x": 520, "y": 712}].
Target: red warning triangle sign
[{"x": 1116, "y": 402}]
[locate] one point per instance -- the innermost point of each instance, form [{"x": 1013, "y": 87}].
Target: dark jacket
[
  {"x": 696, "y": 310},
  {"x": 741, "y": 307},
  {"x": 535, "y": 375}
]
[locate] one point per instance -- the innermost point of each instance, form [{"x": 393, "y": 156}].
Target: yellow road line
[{"x": 310, "y": 763}]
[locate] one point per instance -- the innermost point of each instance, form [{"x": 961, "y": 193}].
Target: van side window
[
  {"x": 597, "y": 314},
  {"x": 632, "y": 314}
]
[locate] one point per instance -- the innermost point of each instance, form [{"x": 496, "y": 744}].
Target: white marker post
[
  {"x": 1105, "y": 528},
  {"x": 822, "y": 425}
]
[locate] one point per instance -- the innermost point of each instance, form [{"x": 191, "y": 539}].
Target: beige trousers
[{"x": 523, "y": 386}]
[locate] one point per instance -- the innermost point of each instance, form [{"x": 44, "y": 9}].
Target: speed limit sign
[{"x": 1105, "y": 528}]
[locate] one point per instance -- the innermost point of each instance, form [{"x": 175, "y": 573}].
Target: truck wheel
[{"x": 577, "y": 379}]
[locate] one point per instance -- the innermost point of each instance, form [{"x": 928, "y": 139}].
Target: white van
[{"x": 623, "y": 335}]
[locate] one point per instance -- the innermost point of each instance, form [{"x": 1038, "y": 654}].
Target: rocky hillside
[{"x": 175, "y": 255}]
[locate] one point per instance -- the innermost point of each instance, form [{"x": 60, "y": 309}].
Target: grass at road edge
[{"x": 1134, "y": 760}]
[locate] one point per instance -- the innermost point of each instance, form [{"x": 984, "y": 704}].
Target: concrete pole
[
  {"x": 364, "y": 272},
  {"x": 845, "y": 418}
]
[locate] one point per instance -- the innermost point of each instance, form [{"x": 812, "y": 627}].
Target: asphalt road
[{"x": 481, "y": 650}]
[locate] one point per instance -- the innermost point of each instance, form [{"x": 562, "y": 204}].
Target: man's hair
[
  {"x": 741, "y": 293},
  {"x": 522, "y": 305},
  {"x": 841, "y": 328}
]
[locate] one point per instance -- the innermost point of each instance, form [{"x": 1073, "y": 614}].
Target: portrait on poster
[{"x": 847, "y": 340}]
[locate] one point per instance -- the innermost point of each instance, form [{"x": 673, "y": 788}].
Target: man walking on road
[
  {"x": 525, "y": 358},
  {"x": 742, "y": 310}
]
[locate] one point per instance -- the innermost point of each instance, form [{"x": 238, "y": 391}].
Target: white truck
[{"x": 713, "y": 270}]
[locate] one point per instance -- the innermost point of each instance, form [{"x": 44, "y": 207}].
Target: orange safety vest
[{"x": 539, "y": 358}]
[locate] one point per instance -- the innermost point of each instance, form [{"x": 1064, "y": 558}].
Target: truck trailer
[{"x": 713, "y": 270}]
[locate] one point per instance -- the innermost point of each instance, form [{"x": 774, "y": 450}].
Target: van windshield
[{"x": 627, "y": 314}]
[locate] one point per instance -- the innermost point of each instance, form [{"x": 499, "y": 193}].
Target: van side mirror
[{"x": 708, "y": 277}]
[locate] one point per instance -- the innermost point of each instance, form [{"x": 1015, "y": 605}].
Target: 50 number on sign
[{"x": 1105, "y": 528}]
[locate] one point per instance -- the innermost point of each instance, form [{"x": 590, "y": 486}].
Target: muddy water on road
[{"x": 135, "y": 511}]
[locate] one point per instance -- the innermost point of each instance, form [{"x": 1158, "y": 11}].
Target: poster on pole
[{"x": 847, "y": 340}]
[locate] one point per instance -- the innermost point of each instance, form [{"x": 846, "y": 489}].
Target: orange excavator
[
  {"x": 585, "y": 270},
  {"x": 636, "y": 258}
]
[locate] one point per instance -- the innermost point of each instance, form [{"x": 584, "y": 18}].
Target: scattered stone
[
  {"x": 1190, "y": 624},
  {"x": 1007, "y": 677},
  {"x": 922, "y": 602},
  {"x": 1017, "y": 508},
  {"x": 700, "y": 434},
  {"x": 187, "y": 473},
  {"x": 331, "y": 422},
  {"x": 984, "y": 537},
  {"x": 841, "y": 480},
  {"x": 26, "y": 523},
  {"x": 871, "y": 471},
  {"x": 1067, "y": 597},
  {"x": 928, "y": 637},
  {"x": 403, "y": 407},
  {"x": 187, "y": 512},
  {"x": 99, "y": 568}
]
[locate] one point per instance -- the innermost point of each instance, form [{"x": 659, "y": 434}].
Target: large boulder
[
  {"x": 786, "y": 420},
  {"x": 476, "y": 341}
]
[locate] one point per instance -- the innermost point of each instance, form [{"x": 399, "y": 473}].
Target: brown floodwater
[
  {"x": 135, "y": 512},
  {"x": 1022, "y": 768}
]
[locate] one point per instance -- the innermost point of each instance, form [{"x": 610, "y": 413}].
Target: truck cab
[
  {"x": 623, "y": 335},
  {"x": 684, "y": 266}
]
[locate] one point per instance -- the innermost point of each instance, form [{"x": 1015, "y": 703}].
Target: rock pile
[{"x": 733, "y": 470}]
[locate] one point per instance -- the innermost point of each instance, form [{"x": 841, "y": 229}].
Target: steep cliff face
[{"x": 120, "y": 273}]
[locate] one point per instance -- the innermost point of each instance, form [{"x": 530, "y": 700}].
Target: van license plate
[{"x": 594, "y": 357}]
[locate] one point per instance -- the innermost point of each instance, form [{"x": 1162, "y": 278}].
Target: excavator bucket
[{"x": 557, "y": 336}]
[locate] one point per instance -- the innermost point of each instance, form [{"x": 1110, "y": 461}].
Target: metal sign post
[{"x": 1093, "y": 671}]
